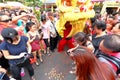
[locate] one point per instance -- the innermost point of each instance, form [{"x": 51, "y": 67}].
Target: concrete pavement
[{"x": 55, "y": 67}]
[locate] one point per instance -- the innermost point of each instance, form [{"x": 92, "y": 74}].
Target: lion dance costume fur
[{"x": 73, "y": 16}]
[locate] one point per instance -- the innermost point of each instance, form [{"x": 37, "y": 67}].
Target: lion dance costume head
[{"x": 73, "y": 16}]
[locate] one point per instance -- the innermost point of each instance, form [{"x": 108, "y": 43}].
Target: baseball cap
[{"x": 9, "y": 33}]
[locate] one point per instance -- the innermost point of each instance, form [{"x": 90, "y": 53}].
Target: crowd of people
[
  {"x": 24, "y": 40},
  {"x": 23, "y": 35},
  {"x": 98, "y": 50}
]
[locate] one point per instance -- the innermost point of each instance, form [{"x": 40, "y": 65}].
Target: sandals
[{"x": 37, "y": 63}]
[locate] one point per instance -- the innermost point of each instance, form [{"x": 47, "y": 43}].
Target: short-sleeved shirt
[
  {"x": 2, "y": 26},
  {"x": 96, "y": 41},
  {"x": 52, "y": 28},
  {"x": 45, "y": 30},
  {"x": 15, "y": 49},
  {"x": 20, "y": 23}
]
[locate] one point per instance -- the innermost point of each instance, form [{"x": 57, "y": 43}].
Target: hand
[
  {"x": 1, "y": 54},
  {"x": 70, "y": 50},
  {"x": 118, "y": 76},
  {"x": 48, "y": 40},
  {"x": 33, "y": 38},
  {"x": 22, "y": 54},
  {"x": 54, "y": 35},
  {"x": 3, "y": 70},
  {"x": 31, "y": 16}
]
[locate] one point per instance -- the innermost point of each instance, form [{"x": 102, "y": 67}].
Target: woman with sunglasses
[
  {"x": 14, "y": 48},
  {"x": 7, "y": 21}
]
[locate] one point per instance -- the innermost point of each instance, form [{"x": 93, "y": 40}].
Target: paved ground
[{"x": 54, "y": 67}]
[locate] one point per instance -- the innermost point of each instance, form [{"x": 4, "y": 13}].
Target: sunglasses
[{"x": 7, "y": 20}]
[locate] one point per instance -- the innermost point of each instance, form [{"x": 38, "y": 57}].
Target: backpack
[{"x": 112, "y": 59}]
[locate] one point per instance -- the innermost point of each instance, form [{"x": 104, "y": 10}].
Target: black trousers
[
  {"x": 16, "y": 70},
  {"x": 53, "y": 43}
]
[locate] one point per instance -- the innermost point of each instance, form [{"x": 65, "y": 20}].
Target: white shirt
[
  {"x": 45, "y": 30},
  {"x": 52, "y": 28}
]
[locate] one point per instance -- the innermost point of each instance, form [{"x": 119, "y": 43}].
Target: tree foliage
[{"x": 34, "y": 4}]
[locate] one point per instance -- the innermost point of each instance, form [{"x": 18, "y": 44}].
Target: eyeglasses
[{"x": 7, "y": 20}]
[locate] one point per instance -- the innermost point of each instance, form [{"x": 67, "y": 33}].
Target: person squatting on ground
[
  {"x": 34, "y": 38},
  {"x": 82, "y": 39},
  {"x": 14, "y": 48}
]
